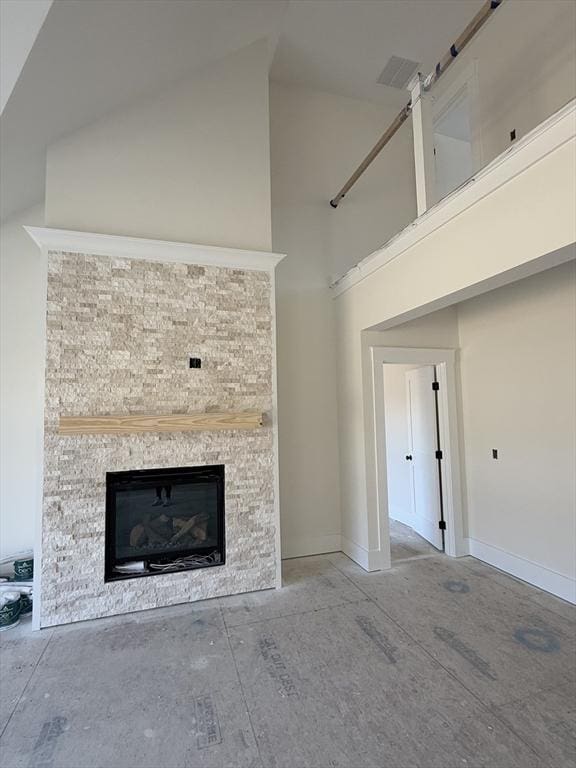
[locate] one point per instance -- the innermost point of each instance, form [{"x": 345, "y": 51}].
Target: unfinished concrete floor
[{"x": 437, "y": 663}]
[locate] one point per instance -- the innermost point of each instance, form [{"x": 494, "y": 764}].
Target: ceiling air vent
[{"x": 398, "y": 72}]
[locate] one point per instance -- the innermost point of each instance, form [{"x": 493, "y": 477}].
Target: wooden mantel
[{"x": 181, "y": 422}]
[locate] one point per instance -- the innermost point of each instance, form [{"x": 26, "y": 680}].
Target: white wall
[
  {"x": 316, "y": 140},
  {"x": 356, "y": 434},
  {"x": 191, "y": 164},
  {"x": 517, "y": 362},
  {"x": 526, "y": 57},
  {"x": 518, "y": 367},
  {"x": 398, "y": 471},
  {"x": 21, "y": 374},
  {"x": 508, "y": 232},
  {"x": 383, "y": 201}
]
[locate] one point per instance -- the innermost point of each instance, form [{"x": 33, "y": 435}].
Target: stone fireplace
[{"x": 153, "y": 337}]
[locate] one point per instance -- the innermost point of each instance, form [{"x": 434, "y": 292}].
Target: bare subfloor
[
  {"x": 406, "y": 543},
  {"x": 435, "y": 663}
]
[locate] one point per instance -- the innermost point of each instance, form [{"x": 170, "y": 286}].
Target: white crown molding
[
  {"x": 550, "y": 135},
  {"x": 71, "y": 241}
]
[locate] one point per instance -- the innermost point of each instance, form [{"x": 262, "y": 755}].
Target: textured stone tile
[{"x": 120, "y": 333}]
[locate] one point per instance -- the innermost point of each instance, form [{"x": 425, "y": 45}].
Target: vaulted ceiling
[{"x": 89, "y": 58}]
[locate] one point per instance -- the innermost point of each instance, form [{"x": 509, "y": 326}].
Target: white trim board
[
  {"x": 526, "y": 570},
  {"x": 277, "y": 534},
  {"x": 49, "y": 239},
  {"x": 369, "y": 559},
  {"x": 549, "y": 136},
  {"x": 39, "y": 450}
]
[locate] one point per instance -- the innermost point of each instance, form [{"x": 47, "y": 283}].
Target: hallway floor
[
  {"x": 406, "y": 543},
  {"x": 437, "y": 663}
]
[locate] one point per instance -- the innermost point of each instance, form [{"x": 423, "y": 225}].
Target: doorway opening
[
  {"x": 437, "y": 369},
  {"x": 413, "y": 461},
  {"x": 456, "y": 134}
]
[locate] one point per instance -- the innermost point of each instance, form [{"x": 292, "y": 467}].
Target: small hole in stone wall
[{"x": 195, "y": 362}]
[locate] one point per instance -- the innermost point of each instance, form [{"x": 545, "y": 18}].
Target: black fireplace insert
[{"x": 164, "y": 520}]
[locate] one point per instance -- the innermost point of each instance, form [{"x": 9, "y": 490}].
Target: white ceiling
[
  {"x": 343, "y": 45},
  {"x": 19, "y": 26},
  {"x": 91, "y": 57}
]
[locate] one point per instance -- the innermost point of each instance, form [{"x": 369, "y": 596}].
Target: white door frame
[
  {"x": 427, "y": 109},
  {"x": 434, "y": 535},
  {"x": 445, "y": 362},
  {"x": 466, "y": 84}
]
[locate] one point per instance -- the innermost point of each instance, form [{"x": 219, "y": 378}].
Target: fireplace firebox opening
[{"x": 164, "y": 520}]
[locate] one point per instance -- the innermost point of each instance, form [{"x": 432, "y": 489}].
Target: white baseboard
[
  {"x": 369, "y": 559},
  {"x": 533, "y": 573},
  {"x": 311, "y": 545}
]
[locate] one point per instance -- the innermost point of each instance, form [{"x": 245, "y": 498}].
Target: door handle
[{"x": 408, "y": 458}]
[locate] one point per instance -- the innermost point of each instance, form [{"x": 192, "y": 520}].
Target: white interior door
[
  {"x": 423, "y": 444},
  {"x": 453, "y": 155}
]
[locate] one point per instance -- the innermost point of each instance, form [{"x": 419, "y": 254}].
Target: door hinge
[
  {"x": 439, "y": 455},
  {"x": 442, "y": 525},
  {"x": 435, "y": 386}
]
